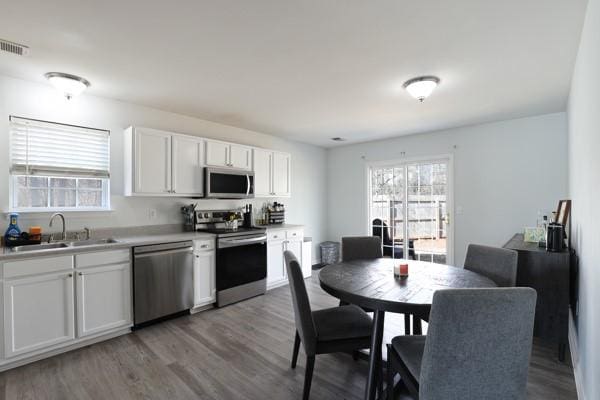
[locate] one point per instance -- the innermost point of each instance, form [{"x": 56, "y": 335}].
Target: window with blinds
[{"x": 58, "y": 166}]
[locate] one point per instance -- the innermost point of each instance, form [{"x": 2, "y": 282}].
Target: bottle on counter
[{"x": 13, "y": 232}]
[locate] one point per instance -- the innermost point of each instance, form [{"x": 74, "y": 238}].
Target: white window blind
[{"x": 52, "y": 149}]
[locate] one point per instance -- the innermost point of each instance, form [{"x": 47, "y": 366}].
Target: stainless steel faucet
[{"x": 64, "y": 227}]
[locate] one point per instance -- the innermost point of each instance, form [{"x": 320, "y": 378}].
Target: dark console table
[{"x": 549, "y": 274}]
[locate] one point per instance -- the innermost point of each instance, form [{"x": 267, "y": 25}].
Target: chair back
[
  {"x": 380, "y": 229},
  {"x": 478, "y": 344},
  {"x": 361, "y": 247},
  {"x": 498, "y": 264},
  {"x": 305, "y": 324}
]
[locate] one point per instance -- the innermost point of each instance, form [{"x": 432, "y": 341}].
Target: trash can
[{"x": 330, "y": 252}]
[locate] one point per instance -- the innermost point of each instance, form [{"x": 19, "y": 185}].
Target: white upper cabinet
[
  {"x": 217, "y": 154},
  {"x": 272, "y": 171},
  {"x": 222, "y": 154},
  {"x": 281, "y": 174},
  {"x": 159, "y": 163},
  {"x": 187, "y": 165},
  {"x": 262, "y": 173},
  {"x": 152, "y": 165},
  {"x": 240, "y": 156}
]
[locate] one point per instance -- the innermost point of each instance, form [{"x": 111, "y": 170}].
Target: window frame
[{"x": 105, "y": 189}]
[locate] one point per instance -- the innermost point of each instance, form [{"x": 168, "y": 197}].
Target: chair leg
[
  {"x": 417, "y": 327},
  {"x": 380, "y": 379},
  {"x": 296, "y": 350},
  {"x": 390, "y": 374},
  {"x": 407, "y": 324},
  {"x": 310, "y": 365}
]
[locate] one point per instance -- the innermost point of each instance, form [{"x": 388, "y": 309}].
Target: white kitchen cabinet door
[
  {"x": 38, "y": 312},
  {"x": 281, "y": 174},
  {"x": 187, "y": 165},
  {"x": 152, "y": 169},
  {"x": 217, "y": 154},
  {"x": 205, "y": 290},
  {"x": 262, "y": 173},
  {"x": 275, "y": 262},
  {"x": 240, "y": 156},
  {"x": 295, "y": 246},
  {"x": 103, "y": 299}
]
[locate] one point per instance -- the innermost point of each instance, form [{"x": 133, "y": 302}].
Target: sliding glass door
[{"x": 411, "y": 200}]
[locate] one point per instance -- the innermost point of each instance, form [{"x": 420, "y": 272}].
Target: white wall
[
  {"x": 33, "y": 100},
  {"x": 504, "y": 173},
  {"x": 584, "y": 189}
]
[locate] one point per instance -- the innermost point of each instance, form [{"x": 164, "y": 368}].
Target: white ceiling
[{"x": 308, "y": 70}]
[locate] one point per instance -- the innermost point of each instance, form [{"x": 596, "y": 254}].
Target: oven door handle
[{"x": 240, "y": 242}]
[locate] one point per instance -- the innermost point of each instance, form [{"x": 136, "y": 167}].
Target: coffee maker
[{"x": 555, "y": 237}]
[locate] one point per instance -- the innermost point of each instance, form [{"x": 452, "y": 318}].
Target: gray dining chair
[
  {"x": 498, "y": 264},
  {"x": 477, "y": 346},
  {"x": 361, "y": 247},
  {"x": 331, "y": 330}
]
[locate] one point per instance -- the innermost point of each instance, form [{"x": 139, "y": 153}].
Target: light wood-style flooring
[{"x": 241, "y": 351}]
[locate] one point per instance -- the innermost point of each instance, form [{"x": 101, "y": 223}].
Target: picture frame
[{"x": 563, "y": 211}]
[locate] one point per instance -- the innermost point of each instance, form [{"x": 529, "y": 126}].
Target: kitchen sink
[
  {"x": 91, "y": 242},
  {"x": 61, "y": 245},
  {"x": 37, "y": 247}
]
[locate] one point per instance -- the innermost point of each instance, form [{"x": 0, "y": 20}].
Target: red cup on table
[{"x": 401, "y": 270}]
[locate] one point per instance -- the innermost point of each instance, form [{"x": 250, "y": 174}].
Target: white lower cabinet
[
  {"x": 205, "y": 290},
  {"x": 61, "y": 306},
  {"x": 279, "y": 241},
  {"x": 275, "y": 263},
  {"x": 103, "y": 298},
  {"x": 38, "y": 312}
]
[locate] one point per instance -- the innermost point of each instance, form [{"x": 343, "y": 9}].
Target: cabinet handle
[
  {"x": 81, "y": 274},
  {"x": 69, "y": 275},
  {"x": 204, "y": 246}
]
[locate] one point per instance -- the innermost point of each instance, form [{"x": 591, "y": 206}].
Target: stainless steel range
[{"x": 241, "y": 256}]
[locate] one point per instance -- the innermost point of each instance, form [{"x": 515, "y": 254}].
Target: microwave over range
[{"x": 222, "y": 183}]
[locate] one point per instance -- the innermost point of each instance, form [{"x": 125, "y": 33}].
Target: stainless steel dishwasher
[{"x": 162, "y": 280}]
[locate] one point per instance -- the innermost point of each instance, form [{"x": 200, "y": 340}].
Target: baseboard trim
[{"x": 574, "y": 347}]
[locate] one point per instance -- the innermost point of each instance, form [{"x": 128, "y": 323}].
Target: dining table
[{"x": 371, "y": 284}]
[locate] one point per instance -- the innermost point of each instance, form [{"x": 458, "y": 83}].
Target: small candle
[
  {"x": 397, "y": 271},
  {"x": 403, "y": 270}
]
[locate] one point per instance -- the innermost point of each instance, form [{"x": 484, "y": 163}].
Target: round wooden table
[{"x": 371, "y": 284}]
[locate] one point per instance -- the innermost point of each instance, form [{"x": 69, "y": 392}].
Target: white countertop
[
  {"x": 281, "y": 226},
  {"x": 123, "y": 242}
]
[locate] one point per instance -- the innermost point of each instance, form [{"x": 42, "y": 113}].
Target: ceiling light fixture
[
  {"x": 420, "y": 88},
  {"x": 69, "y": 85}
]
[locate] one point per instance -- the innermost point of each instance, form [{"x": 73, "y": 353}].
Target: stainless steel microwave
[{"x": 223, "y": 183}]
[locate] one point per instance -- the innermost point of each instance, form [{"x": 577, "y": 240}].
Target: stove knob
[{"x": 206, "y": 215}]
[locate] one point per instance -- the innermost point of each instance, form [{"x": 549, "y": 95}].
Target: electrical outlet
[{"x": 151, "y": 213}]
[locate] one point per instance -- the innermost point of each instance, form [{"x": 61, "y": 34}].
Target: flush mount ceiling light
[
  {"x": 420, "y": 88},
  {"x": 69, "y": 85}
]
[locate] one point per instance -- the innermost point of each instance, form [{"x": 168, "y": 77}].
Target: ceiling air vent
[
  {"x": 14, "y": 48},
  {"x": 338, "y": 139}
]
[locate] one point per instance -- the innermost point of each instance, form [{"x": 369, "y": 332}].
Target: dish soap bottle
[{"x": 13, "y": 232}]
